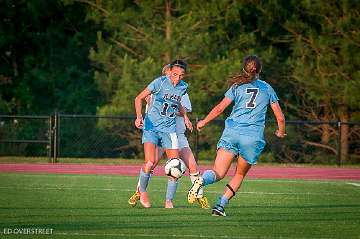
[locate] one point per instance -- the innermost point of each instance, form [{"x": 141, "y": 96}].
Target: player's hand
[
  {"x": 188, "y": 124},
  {"x": 139, "y": 122},
  {"x": 200, "y": 125},
  {"x": 280, "y": 134}
]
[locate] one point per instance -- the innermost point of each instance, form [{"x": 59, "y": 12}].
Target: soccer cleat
[
  {"x": 134, "y": 198},
  {"x": 144, "y": 200},
  {"x": 169, "y": 204},
  {"x": 218, "y": 211},
  {"x": 194, "y": 190},
  {"x": 203, "y": 202}
]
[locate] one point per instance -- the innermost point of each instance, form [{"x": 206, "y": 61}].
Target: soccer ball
[{"x": 175, "y": 168}]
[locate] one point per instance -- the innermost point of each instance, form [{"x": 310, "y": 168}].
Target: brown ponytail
[{"x": 250, "y": 71}]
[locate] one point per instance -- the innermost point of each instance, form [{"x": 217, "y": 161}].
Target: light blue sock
[
  {"x": 209, "y": 177},
  {"x": 144, "y": 180},
  {"x": 171, "y": 189},
  {"x": 222, "y": 201}
]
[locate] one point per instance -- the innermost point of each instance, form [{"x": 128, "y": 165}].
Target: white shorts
[{"x": 183, "y": 142}]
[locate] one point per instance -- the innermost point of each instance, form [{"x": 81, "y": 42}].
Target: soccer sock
[
  {"x": 193, "y": 176},
  {"x": 222, "y": 201},
  {"x": 144, "y": 180},
  {"x": 209, "y": 177},
  {"x": 171, "y": 189},
  {"x": 138, "y": 184}
]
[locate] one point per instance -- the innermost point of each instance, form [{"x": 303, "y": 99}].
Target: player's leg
[
  {"x": 187, "y": 155},
  {"x": 159, "y": 153},
  {"x": 232, "y": 187},
  {"x": 171, "y": 146},
  {"x": 172, "y": 183},
  {"x": 150, "y": 141},
  {"x": 249, "y": 149},
  {"x": 136, "y": 196},
  {"x": 220, "y": 168},
  {"x": 241, "y": 170},
  {"x": 150, "y": 159}
]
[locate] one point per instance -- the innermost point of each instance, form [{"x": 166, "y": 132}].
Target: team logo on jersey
[{"x": 172, "y": 97}]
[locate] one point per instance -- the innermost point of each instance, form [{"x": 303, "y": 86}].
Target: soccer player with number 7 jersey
[
  {"x": 243, "y": 136},
  {"x": 159, "y": 125}
]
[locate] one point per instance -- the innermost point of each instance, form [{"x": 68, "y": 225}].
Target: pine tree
[
  {"x": 324, "y": 64},
  {"x": 139, "y": 37}
]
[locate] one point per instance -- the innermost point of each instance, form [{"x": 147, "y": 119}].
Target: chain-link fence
[
  {"x": 89, "y": 136},
  {"x": 27, "y": 136}
]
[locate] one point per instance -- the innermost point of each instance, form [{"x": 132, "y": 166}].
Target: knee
[
  {"x": 148, "y": 166},
  {"x": 219, "y": 175},
  {"x": 241, "y": 172}
]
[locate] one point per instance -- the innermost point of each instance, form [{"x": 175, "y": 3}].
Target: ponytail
[{"x": 250, "y": 71}]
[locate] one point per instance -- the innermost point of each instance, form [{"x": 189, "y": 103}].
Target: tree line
[{"x": 94, "y": 56}]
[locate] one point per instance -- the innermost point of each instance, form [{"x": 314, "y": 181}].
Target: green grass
[{"x": 95, "y": 206}]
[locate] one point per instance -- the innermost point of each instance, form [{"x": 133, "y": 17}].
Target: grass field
[{"x": 95, "y": 206}]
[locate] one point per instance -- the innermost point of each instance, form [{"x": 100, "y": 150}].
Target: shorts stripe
[{"x": 174, "y": 141}]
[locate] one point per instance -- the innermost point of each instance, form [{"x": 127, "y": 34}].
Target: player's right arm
[
  {"x": 215, "y": 112},
  {"x": 139, "y": 122},
  {"x": 280, "y": 119}
]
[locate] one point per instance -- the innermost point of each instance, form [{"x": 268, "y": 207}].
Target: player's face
[{"x": 176, "y": 74}]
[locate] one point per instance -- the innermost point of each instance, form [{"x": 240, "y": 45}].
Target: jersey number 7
[{"x": 254, "y": 92}]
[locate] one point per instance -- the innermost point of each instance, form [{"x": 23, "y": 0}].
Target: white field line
[
  {"x": 354, "y": 184},
  {"x": 280, "y": 180},
  {"x": 155, "y": 190}
]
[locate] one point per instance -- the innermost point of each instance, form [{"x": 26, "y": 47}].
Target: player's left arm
[
  {"x": 183, "y": 113},
  {"x": 280, "y": 118}
]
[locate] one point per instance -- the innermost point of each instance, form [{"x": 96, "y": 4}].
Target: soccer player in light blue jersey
[
  {"x": 243, "y": 136},
  {"x": 185, "y": 154},
  {"x": 159, "y": 125}
]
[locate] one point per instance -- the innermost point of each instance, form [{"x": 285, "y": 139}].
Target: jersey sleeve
[
  {"x": 155, "y": 85},
  {"x": 185, "y": 102},
  {"x": 272, "y": 95},
  {"x": 231, "y": 93},
  {"x": 185, "y": 89}
]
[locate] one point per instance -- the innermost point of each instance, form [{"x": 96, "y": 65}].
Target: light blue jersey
[
  {"x": 244, "y": 128},
  {"x": 165, "y": 105},
  {"x": 250, "y": 105}
]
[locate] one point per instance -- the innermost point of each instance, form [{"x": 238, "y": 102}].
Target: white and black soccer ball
[{"x": 175, "y": 168}]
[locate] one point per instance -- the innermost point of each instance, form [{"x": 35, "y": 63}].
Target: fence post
[
  {"x": 51, "y": 138},
  {"x": 56, "y": 134},
  {"x": 339, "y": 144}
]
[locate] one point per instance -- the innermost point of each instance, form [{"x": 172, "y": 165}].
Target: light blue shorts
[
  {"x": 161, "y": 139},
  {"x": 248, "y": 147}
]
